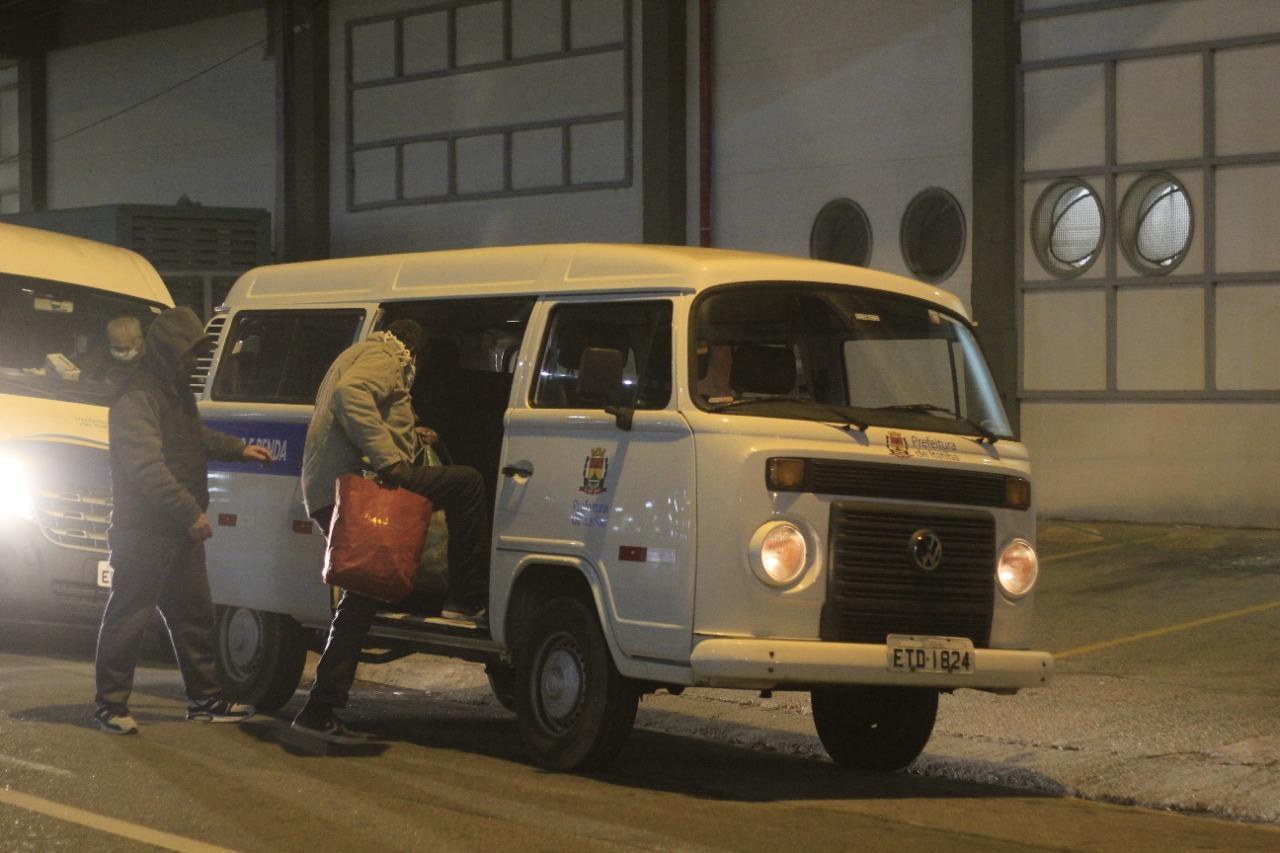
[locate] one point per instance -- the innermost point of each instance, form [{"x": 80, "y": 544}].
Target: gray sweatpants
[{"x": 156, "y": 570}]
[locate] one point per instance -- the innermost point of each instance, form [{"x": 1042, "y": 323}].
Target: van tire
[
  {"x": 574, "y": 708},
  {"x": 502, "y": 682},
  {"x": 874, "y": 728},
  {"x": 260, "y": 656}
]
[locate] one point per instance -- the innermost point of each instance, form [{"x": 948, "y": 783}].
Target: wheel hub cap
[
  {"x": 560, "y": 686},
  {"x": 243, "y": 641}
]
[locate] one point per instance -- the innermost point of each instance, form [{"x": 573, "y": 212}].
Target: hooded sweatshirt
[
  {"x": 160, "y": 451},
  {"x": 363, "y": 417}
]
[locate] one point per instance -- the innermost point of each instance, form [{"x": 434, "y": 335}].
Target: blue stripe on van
[{"x": 283, "y": 438}]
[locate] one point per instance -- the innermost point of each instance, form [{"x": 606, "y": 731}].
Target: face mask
[{"x": 126, "y": 355}]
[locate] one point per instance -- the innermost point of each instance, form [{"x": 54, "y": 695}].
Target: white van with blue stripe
[{"x": 707, "y": 468}]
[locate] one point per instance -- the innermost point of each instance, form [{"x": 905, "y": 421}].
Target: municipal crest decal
[
  {"x": 897, "y": 445},
  {"x": 594, "y": 470}
]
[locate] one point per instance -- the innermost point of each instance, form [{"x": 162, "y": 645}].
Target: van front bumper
[
  {"x": 42, "y": 581},
  {"x": 777, "y": 664}
]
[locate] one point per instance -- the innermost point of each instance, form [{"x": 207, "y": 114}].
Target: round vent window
[
  {"x": 1155, "y": 224},
  {"x": 841, "y": 233},
  {"x": 1066, "y": 228},
  {"x": 933, "y": 235}
]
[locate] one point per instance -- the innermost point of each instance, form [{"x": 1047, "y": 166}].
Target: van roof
[
  {"x": 547, "y": 268},
  {"x": 74, "y": 260}
]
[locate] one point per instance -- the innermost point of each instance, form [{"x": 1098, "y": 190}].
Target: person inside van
[
  {"x": 123, "y": 350},
  {"x": 364, "y": 420},
  {"x": 717, "y": 364}
]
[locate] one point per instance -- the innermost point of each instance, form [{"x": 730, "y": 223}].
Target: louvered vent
[
  {"x": 200, "y": 378},
  {"x": 874, "y": 589},
  {"x": 197, "y": 243}
]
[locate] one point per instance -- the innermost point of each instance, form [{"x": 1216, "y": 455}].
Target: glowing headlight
[
  {"x": 779, "y": 553},
  {"x": 1018, "y": 568},
  {"x": 15, "y": 490}
]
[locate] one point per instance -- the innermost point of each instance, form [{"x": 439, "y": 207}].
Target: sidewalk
[{"x": 1166, "y": 692}]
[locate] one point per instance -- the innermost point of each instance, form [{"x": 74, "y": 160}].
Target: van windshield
[
  {"x": 841, "y": 354},
  {"x": 65, "y": 341}
]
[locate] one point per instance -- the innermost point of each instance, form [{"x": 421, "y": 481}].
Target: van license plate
[
  {"x": 950, "y": 655},
  {"x": 104, "y": 574}
]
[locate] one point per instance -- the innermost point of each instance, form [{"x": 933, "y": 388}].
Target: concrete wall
[
  {"x": 212, "y": 139},
  {"x": 1153, "y": 397},
  {"x": 403, "y": 118},
  {"x": 820, "y": 99},
  {"x": 9, "y": 180}
]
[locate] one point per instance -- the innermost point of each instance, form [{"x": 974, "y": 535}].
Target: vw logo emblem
[{"x": 926, "y": 550}]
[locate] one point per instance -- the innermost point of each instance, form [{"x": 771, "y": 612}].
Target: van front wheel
[
  {"x": 260, "y": 656},
  {"x": 874, "y": 728},
  {"x": 574, "y": 708}
]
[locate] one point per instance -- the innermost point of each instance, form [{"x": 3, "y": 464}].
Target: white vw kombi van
[
  {"x": 57, "y": 296},
  {"x": 708, "y": 468}
]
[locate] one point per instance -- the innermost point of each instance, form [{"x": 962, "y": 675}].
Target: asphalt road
[{"x": 1166, "y": 685}]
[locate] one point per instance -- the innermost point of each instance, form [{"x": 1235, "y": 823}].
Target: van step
[
  {"x": 391, "y": 618},
  {"x": 435, "y": 635}
]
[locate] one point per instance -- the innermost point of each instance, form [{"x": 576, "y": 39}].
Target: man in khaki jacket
[{"x": 364, "y": 420}]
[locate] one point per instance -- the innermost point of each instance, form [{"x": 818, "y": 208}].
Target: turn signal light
[
  {"x": 785, "y": 475},
  {"x": 1017, "y": 493}
]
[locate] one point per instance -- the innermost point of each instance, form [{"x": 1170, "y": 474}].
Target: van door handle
[{"x": 516, "y": 471}]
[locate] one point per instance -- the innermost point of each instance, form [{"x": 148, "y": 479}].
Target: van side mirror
[{"x": 600, "y": 381}]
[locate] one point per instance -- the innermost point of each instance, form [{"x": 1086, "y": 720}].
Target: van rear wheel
[
  {"x": 574, "y": 708},
  {"x": 874, "y": 728},
  {"x": 260, "y": 656}
]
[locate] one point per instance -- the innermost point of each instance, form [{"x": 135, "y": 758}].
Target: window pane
[
  {"x": 639, "y": 331},
  {"x": 1155, "y": 224},
  {"x": 815, "y": 351},
  {"x": 281, "y": 357}
]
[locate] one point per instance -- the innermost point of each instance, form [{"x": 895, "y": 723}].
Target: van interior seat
[
  {"x": 465, "y": 407},
  {"x": 762, "y": 369}
]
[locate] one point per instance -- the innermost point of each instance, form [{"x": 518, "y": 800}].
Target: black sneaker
[
  {"x": 218, "y": 710},
  {"x": 477, "y": 613},
  {"x": 318, "y": 722},
  {"x": 115, "y": 722}
]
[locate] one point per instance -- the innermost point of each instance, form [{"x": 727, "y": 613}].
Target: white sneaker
[
  {"x": 115, "y": 722},
  {"x": 218, "y": 710}
]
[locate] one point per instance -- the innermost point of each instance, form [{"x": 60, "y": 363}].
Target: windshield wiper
[
  {"x": 846, "y": 423},
  {"x": 929, "y": 409}
]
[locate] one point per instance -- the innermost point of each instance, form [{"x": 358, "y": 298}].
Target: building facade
[{"x": 1098, "y": 179}]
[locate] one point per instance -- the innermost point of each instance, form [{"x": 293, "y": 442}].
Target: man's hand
[
  {"x": 395, "y": 475},
  {"x": 257, "y": 453},
  {"x": 201, "y": 530},
  {"x": 426, "y": 435}
]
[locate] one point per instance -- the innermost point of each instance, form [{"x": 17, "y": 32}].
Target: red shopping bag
[{"x": 376, "y": 538}]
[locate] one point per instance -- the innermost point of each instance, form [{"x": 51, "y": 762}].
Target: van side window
[
  {"x": 281, "y": 356},
  {"x": 640, "y": 331}
]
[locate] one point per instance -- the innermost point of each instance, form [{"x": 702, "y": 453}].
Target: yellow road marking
[
  {"x": 109, "y": 825},
  {"x": 1096, "y": 548},
  {"x": 1171, "y": 629}
]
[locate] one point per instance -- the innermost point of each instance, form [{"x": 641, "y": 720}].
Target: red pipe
[{"x": 704, "y": 122}]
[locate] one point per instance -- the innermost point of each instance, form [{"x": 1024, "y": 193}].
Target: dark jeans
[
  {"x": 459, "y": 491},
  {"x": 156, "y": 570}
]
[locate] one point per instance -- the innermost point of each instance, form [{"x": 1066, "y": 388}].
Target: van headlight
[
  {"x": 1018, "y": 568},
  {"x": 15, "y": 490},
  {"x": 779, "y": 553}
]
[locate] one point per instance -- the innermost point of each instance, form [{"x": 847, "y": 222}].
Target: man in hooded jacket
[
  {"x": 364, "y": 419},
  {"x": 159, "y": 481}
]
